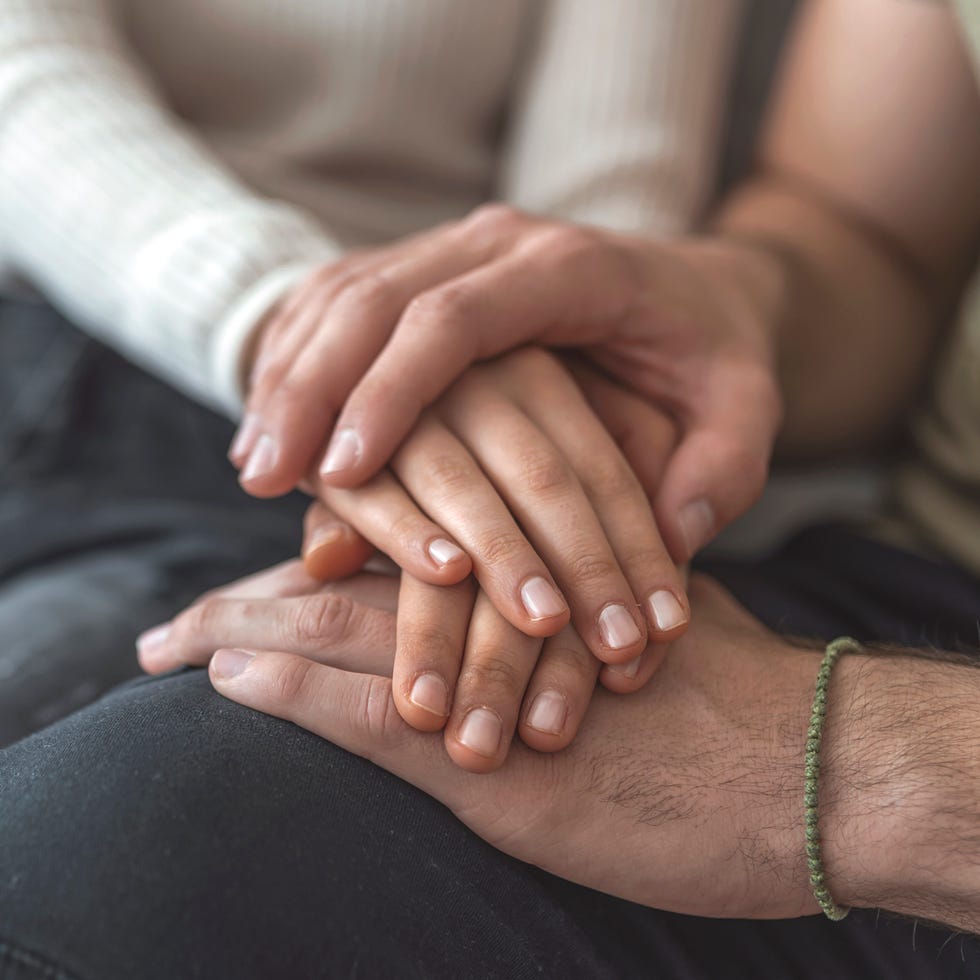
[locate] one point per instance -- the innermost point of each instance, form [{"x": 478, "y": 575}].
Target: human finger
[
  {"x": 564, "y": 286},
  {"x": 296, "y": 406},
  {"x": 383, "y": 513},
  {"x": 324, "y": 625},
  {"x": 646, "y": 435},
  {"x": 431, "y": 637},
  {"x": 497, "y": 664},
  {"x": 720, "y": 467},
  {"x": 558, "y": 693},
  {"x": 332, "y": 549},
  {"x": 621, "y": 508},
  {"x": 546, "y": 497},
  {"x": 439, "y": 471}
]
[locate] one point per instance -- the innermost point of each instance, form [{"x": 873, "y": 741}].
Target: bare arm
[{"x": 867, "y": 192}]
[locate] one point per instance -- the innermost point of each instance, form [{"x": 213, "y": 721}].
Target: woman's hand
[
  {"x": 513, "y": 465},
  {"x": 363, "y": 347},
  {"x": 500, "y": 679}
]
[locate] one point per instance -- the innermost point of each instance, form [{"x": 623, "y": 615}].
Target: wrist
[{"x": 900, "y": 787}]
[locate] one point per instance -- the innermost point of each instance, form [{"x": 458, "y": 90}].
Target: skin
[{"x": 688, "y": 795}]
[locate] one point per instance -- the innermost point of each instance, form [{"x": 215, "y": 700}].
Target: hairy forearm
[
  {"x": 900, "y": 786},
  {"x": 856, "y": 321}
]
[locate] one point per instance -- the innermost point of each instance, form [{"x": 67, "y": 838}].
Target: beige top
[
  {"x": 939, "y": 489},
  {"x": 168, "y": 168}
]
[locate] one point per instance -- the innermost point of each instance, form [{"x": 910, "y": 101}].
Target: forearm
[
  {"x": 855, "y": 320},
  {"x": 900, "y": 787},
  {"x": 111, "y": 206}
]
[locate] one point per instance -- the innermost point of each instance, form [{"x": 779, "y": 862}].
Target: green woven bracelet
[{"x": 814, "y": 735}]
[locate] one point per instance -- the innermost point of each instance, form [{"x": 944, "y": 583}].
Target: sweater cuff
[{"x": 231, "y": 336}]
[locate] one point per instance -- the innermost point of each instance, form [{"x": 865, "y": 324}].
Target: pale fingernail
[
  {"x": 324, "y": 536},
  {"x": 245, "y": 438},
  {"x": 697, "y": 521},
  {"x": 153, "y": 638},
  {"x": 263, "y": 458},
  {"x": 617, "y": 627},
  {"x": 429, "y": 692},
  {"x": 345, "y": 448},
  {"x": 442, "y": 552},
  {"x": 628, "y": 670},
  {"x": 548, "y": 713},
  {"x": 226, "y": 664},
  {"x": 481, "y": 731},
  {"x": 540, "y": 599},
  {"x": 667, "y": 611}
]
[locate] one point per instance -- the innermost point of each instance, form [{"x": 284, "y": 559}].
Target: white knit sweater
[{"x": 169, "y": 167}]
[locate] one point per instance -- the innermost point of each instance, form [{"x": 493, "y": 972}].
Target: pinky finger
[{"x": 559, "y": 692}]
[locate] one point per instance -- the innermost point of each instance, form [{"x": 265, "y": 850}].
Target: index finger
[{"x": 556, "y": 296}]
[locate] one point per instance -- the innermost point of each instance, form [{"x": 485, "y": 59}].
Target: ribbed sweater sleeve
[
  {"x": 617, "y": 118},
  {"x": 122, "y": 219}
]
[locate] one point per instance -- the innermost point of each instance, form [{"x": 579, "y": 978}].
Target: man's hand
[
  {"x": 363, "y": 347},
  {"x": 688, "y": 794}
]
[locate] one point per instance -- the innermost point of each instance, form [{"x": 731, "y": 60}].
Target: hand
[
  {"x": 687, "y": 795},
  {"x": 367, "y": 343},
  {"x": 514, "y": 465},
  {"x": 506, "y": 681}
]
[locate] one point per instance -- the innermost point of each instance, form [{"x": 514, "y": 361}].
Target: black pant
[{"x": 164, "y": 832}]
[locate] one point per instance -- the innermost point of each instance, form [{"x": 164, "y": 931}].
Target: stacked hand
[
  {"x": 686, "y": 795},
  {"x": 512, "y": 461},
  {"x": 355, "y": 354}
]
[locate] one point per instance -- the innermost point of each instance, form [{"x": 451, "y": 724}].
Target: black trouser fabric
[{"x": 163, "y": 832}]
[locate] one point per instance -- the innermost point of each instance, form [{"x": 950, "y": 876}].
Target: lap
[{"x": 166, "y": 832}]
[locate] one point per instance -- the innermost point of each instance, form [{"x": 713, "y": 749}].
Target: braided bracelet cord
[{"x": 814, "y": 735}]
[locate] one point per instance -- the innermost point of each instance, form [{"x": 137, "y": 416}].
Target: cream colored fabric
[
  {"x": 939, "y": 490},
  {"x": 168, "y": 168}
]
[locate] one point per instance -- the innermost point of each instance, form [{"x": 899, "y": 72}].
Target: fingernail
[
  {"x": 697, "y": 521},
  {"x": 345, "y": 448},
  {"x": 429, "y": 692},
  {"x": 262, "y": 459},
  {"x": 667, "y": 611},
  {"x": 442, "y": 552},
  {"x": 548, "y": 713},
  {"x": 540, "y": 599},
  {"x": 481, "y": 731},
  {"x": 627, "y": 670},
  {"x": 617, "y": 627},
  {"x": 245, "y": 438},
  {"x": 324, "y": 537},
  {"x": 153, "y": 638},
  {"x": 226, "y": 664}
]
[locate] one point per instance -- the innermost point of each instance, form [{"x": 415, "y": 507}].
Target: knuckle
[
  {"x": 545, "y": 473},
  {"x": 492, "y": 675},
  {"x": 496, "y": 548},
  {"x": 567, "y": 667},
  {"x": 291, "y": 683},
  {"x": 565, "y": 242},
  {"x": 427, "y": 642},
  {"x": 451, "y": 473},
  {"x": 445, "y": 305},
  {"x": 202, "y": 619},
  {"x": 493, "y": 218},
  {"x": 377, "y": 715},
  {"x": 611, "y": 478},
  {"x": 321, "y": 618},
  {"x": 587, "y": 566},
  {"x": 366, "y": 293}
]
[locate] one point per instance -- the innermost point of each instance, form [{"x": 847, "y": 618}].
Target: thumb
[{"x": 718, "y": 470}]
